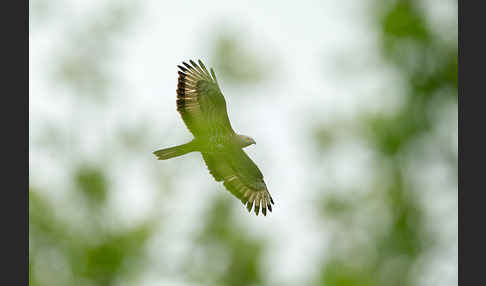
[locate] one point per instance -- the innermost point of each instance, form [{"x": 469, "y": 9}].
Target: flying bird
[{"x": 202, "y": 107}]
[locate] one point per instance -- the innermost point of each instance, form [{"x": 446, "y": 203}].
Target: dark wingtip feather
[
  {"x": 193, "y": 63},
  {"x": 182, "y": 68},
  {"x": 187, "y": 65},
  {"x": 257, "y": 209},
  {"x": 203, "y": 67},
  {"x": 264, "y": 211},
  {"x": 269, "y": 206},
  {"x": 249, "y": 206},
  {"x": 271, "y": 200},
  {"x": 213, "y": 74}
]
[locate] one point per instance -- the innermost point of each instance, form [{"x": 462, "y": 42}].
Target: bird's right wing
[
  {"x": 241, "y": 177},
  {"x": 200, "y": 101}
]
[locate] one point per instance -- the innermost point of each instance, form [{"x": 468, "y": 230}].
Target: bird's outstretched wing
[
  {"x": 241, "y": 176},
  {"x": 200, "y": 102}
]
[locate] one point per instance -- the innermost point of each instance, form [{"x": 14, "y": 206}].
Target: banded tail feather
[{"x": 176, "y": 151}]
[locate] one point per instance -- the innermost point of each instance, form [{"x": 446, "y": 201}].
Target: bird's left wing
[
  {"x": 201, "y": 102},
  {"x": 241, "y": 177}
]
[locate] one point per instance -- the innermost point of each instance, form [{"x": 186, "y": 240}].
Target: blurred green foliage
[
  {"x": 92, "y": 183},
  {"x": 84, "y": 58},
  {"x": 232, "y": 257},
  {"x": 234, "y": 60},
  {"x": 114, "y": 254},
  {"x": 87, "y": 254},
  {"x": 429, "y": 68},
  {"x": 82, "y": 247}
]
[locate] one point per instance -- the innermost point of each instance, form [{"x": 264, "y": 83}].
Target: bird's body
[{"x": 203, "y": 108}]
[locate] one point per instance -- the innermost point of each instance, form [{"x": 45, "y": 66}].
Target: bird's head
[{"x": 245, "y": 140}]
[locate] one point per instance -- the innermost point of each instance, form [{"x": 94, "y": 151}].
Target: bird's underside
[{"x": 202, "y": 107}]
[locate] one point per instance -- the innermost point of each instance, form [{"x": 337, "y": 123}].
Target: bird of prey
[{"x": 202, "y": 107}]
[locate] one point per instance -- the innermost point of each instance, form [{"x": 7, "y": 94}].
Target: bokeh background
[{"x": 353, "y": 105}]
